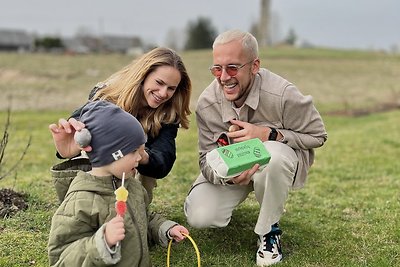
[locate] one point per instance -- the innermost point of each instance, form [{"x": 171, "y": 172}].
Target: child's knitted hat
[{"x": 114, "y": 132}]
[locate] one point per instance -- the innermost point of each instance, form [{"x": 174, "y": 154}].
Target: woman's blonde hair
[{"x": 125, "y": 89}]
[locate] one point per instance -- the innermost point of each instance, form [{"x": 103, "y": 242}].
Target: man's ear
[{"x": 255, "y": 67}]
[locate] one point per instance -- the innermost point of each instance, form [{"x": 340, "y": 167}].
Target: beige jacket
[{"x": 272, "y": 102}]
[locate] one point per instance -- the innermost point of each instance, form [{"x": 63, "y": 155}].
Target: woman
[{"x": 156, "y": 90}]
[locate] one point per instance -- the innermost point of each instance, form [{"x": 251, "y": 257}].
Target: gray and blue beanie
[{"x": 114, "y": 132}]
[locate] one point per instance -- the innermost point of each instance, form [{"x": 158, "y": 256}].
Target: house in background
[
  {"x": 20, "y": 41},
  {"x": 119, "y": 44},
  {"x": 16, "y": 41},
  {"x": 103, "y": 44}
]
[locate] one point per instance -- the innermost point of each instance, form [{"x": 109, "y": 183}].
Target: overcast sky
[{"x": 361, "y": 24}]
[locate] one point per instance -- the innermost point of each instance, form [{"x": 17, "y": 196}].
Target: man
[{"x": 259, "y": 104}]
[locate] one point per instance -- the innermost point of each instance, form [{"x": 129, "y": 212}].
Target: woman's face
[{"x": 160, "y": 85}]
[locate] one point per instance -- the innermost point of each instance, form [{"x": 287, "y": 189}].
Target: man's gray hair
[{"x": 249, "y": 42}]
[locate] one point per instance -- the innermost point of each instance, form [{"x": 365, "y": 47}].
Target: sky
[{"x": 347, "y": 24}]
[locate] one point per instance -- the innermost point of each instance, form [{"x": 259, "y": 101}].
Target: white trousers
[{"x": 211, "y": 205}]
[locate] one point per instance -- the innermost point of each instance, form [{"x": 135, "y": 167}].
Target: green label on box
[{"x": 243, "y": 155}]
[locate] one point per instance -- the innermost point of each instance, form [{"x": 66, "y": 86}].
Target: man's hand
[
  {"x": 244, "y": 131},
  {"x": 247, "y": 131},
  {"x": 245, "y": 177}
]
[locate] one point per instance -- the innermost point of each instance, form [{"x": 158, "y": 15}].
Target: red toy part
[{"x": 120, "y": 208}]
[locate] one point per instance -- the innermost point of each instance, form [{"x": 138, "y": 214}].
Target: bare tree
[{"x": 3, "y": 145}]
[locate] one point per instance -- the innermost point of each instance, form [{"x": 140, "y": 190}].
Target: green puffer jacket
[{"x": 77, "y": 230}]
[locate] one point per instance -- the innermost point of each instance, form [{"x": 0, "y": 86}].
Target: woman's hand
[{"x": 63, "y": 137}]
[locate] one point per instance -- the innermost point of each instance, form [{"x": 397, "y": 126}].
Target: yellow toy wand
[{"x": 194, "y": 245}]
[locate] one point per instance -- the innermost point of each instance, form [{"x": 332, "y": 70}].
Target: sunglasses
[{"x": 231, "y": 69}]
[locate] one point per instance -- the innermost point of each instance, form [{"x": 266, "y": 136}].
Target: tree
[
  {"x": 200, "y": 33},
  {"x": 49, "y": 43},
  {"x": 10, "y": 200},
  {"x": 3, "y": 145},
  {"x": 291, "y": 37}
]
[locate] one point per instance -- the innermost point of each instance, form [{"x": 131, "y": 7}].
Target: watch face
[{"x": 273, "y": 134}]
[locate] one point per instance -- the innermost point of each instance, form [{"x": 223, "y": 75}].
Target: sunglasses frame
[{"x": 228, "y": 68}]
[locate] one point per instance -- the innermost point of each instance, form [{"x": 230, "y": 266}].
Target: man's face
[{"x": 237, "y": 86}]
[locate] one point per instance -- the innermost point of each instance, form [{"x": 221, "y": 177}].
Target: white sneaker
[{"x": 269, "y": 251}]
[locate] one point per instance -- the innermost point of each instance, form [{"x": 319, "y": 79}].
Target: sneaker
[{"x": 269, "y": 251}]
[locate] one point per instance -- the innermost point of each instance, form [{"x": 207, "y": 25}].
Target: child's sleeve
[
  {"x": 158, "y": 229},
  {"x": 74, "y": 242}
]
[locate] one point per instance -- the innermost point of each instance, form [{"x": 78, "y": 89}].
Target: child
[{"x": 85, "y": 230}]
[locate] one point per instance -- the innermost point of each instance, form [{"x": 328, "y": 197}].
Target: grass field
[{"x": 347, "y": 215}]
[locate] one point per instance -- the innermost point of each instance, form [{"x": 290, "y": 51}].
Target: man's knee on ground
[
  {"x": 198, "y": 218},
  {"x": 202, "y": 217}
]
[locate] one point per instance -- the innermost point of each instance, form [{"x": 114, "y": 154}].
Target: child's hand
[
  {"x": 176, "y": 232},
  {"x": 115, "y": 231}
]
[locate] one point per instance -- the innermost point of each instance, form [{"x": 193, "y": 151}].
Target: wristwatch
[{"x": 273, "y": 134}]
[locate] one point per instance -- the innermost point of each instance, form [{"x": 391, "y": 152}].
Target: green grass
[{"x": 347, "y": 215}]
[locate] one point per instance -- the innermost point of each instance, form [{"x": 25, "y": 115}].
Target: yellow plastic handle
[{"x": 194, "y": 245}]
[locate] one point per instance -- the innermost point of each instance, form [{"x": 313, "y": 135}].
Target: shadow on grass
[
  {"x": 238, "y": 243},
  {"x": 298, "y": 238}
]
